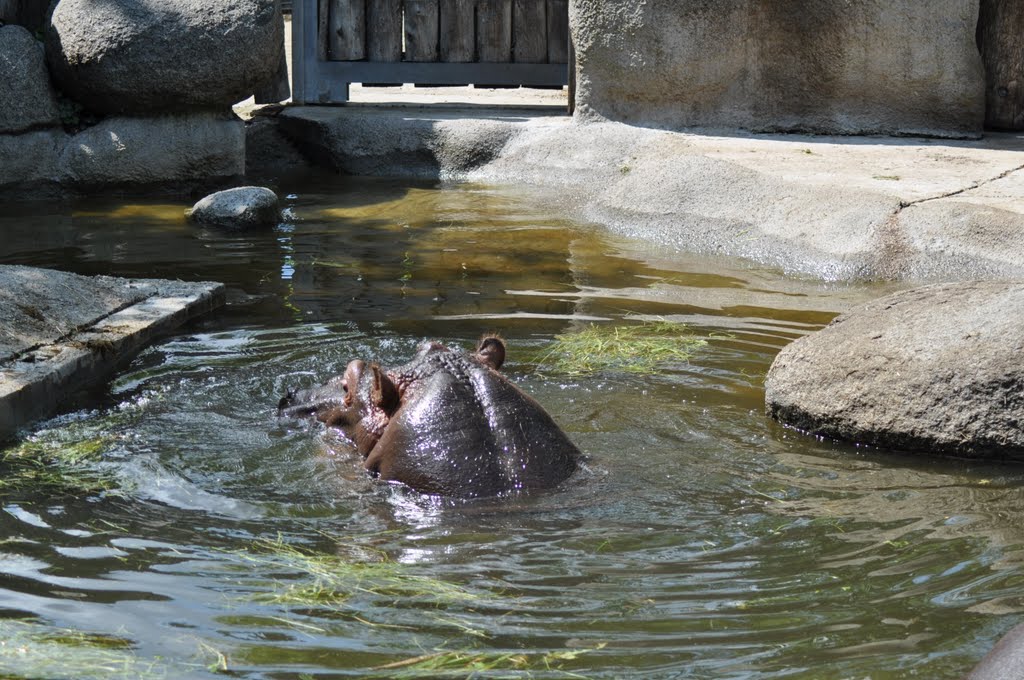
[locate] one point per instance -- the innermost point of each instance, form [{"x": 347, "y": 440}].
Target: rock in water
[
  {"x": 242, "y": 207},
  {"x": 27, "y": 99},
  {"x": 936, "y": 369},
  {"x": 163, "y": 56}
]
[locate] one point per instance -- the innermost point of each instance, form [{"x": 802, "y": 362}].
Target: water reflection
[{"x": 701, "y": 540}]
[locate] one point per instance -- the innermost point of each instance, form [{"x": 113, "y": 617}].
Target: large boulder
[
  {"x": 825, "y": 66},
  {"x": 936, "y": 369},
  {"x": 187, "y": 148},
  {"x": 27, "y": 100},
  {"x": 150, "y": 56}
]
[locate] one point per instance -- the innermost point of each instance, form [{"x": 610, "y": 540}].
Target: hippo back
[{"x": 464, "y": 430}]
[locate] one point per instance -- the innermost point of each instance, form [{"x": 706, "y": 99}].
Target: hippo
[
  {"x": 447, "y": 423},
  {"x": 1005, "y": 661}
]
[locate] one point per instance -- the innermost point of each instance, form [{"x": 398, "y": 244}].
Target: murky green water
[{"x": 702, "y": 541}]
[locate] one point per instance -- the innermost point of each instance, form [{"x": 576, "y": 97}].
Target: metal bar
[{"x": 445, "y": 74}]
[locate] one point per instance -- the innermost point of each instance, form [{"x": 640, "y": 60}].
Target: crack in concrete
[{"x": 949, "y": 194}]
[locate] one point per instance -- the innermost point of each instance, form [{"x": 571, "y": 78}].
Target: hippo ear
[
  {"x": 383, "y": 392},
  {"x": 491, "y": 351}
]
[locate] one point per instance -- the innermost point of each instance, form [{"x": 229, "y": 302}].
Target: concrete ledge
[{"x": 50, "y": 351}]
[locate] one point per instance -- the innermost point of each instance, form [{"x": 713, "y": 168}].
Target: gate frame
[{"x": 326, "y": 82}]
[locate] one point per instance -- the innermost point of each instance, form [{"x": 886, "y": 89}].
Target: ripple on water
[{"x": 700, "y": 540}]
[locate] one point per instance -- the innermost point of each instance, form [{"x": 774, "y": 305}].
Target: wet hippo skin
[
  {"x": 446, "y": 423},
  {"x": 1005, "y": 661}
]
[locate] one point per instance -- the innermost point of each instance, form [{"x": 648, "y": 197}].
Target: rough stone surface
[
  {"x": 27, "y": 100},
  {"x": 156, "y": 56},
  {"x": 823, "y": 66},
  {"x": 41, "y": 306},
  {"x": 239, "y": 208},
  {"x": 166, "y": 149},
  {"x": 60, "y": 332},
  {"x": 935, "y": 369},
  {"x": 395, "y": 142},
  {"x": 268, "y": 153},
  {"x": 837, "y": 208},
  {"x": 31, "y": 158}
]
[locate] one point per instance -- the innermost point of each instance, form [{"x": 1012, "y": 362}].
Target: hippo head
[
  {"x": 370, "y": 396},
  {"x": 446, "y": 423}
]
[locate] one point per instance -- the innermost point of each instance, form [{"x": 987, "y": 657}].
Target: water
[{"x": 702, "y": 540}]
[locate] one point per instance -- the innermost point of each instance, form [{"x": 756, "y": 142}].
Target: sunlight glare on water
[{"x": 701, "y": 540}]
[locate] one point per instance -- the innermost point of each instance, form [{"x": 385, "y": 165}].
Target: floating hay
[
  {"x": 637, "y": 348},
  {"x": 32, "y": 650},
  {"x": 332, "y": 580},
  {"x": 58, "y": 464},
  {"x": 463, "y": 663}
]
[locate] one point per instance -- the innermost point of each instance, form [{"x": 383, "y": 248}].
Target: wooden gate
[{"x": 435, "y": 42}]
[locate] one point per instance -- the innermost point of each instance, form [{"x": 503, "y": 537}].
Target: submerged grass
[
  {"x": 637, "y": 348},
  {"x": 329, "y": 580},
  {"x": 33, "y": 650}
]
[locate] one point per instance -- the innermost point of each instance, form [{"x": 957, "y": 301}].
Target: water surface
[{"x": 701, "y": 541}]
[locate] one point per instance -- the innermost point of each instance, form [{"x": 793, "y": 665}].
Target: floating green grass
[
  {"x": 636, "y": 348},
  {"x": 57, "y": 462},
  {"x": 32, "y": 650},
  {"x": 467, "y": 663},
  {"x": 331, "y": 580}
]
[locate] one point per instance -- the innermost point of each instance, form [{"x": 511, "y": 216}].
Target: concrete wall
[{"x": 828, "y": 66}]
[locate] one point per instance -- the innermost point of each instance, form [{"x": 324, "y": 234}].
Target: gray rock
[
  {"x": 165, "y": 149},
  {"x": 824, "y": 66},
  {"x": 42, "y": 306},
  {"x": 27, "y": 100},
  {"x": 61, "y": 332},
  {"x": 30, "y": 158},
  {"x": 268, "y": 153},
  {"x": 390, "y": 142},
  {"x": 241, "y": 207},
  {"x": 149, "y": 56},
  {"x": 935, "y": 369}
]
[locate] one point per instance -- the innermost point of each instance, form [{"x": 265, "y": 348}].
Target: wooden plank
[
  {"x": 347, "y": 30},
  {"x": 1001, "y": 39},
  {"x": 558, "y": 31},
  {"x": 32, "y": 14},
  {"x": 10, "y": 11},
  {"x": 529, "y": 31},
  {"x": 494, "y": 31},
  {"x": 421, "y": 30},
  {"x": 458, "y": 31},
  {"x": 312, "y": 82},
  {"x": 303, "y": 44},
  {"x": 384, "y": 30},
  {"x": 323, "y": 14}
]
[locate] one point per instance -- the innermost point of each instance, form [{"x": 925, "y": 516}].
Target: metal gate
[{"x": 427, "y": 42}]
